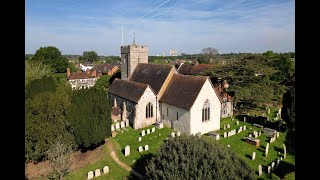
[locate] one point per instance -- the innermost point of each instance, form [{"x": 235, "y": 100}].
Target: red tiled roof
[{"x": 79, "y": 75}]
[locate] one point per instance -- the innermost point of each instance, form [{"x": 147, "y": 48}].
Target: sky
[{"x": 187, "y": 26}]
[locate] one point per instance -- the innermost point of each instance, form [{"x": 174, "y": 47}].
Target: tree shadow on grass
[
  {"x": 248, "y": 156},
  {"x": 284, "y": 168},
  {"x": 140, "y": 164}
]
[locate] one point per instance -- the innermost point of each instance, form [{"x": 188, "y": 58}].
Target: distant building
[
  {"x": 81, "y": 80},
  {"x": 225, "y": 99},
  {"x": 85, "y": 66},
  {"x": 104, "y": 69},
  {"x": 173, "y": 53}
]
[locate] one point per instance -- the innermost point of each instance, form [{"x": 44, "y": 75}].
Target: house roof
[
  {"x": 129, "y": 90},
  {"x": 221, "y": 93},
  {"x": 152, "y": 74},
  {"x": 102, "y": 68},
  {"x": 183, "y": 90},
  {"x": 189, "y": 69},
  {"x": 79, "y": 75}
]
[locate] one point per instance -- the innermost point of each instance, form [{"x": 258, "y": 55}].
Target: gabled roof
[
  {"x": 79, "y": 75},
  {"x": 183, "y": 90},
  {"x": 129, "y": 90},
  {"x": 102, "y": 68},
  {"x": 221, "y": 93},
  {"x": 152, "y": 74},
  {"x": 189, "y": 69}
]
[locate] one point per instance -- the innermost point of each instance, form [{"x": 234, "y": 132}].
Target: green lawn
[
  {"x": 130, "y": 137},
  {"x": 245, "y": 150}
]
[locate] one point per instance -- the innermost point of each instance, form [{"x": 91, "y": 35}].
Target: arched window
[
  {"x": 206, "y": 111},
  {"x": 149, "y": 110}
]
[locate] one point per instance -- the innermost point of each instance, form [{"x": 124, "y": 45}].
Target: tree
[
  {"x": 289, "y": 108},
  {"x": 207, "y": 55},
  {"x": 51, "y": 56},
  {"x": 103, "y": 82},
  {"x": 73, "y": 67},
  {"x": 36, "y": 70},
  {"x": 90, "y": 116},
  {"x": 37, "y": 86},
  {"x": 190, "y": 157},
  {"x": 89, "y": 56},
  {"x": 59, "y": 156}
]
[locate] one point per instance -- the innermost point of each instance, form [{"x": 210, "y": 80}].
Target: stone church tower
[{"x": 131, "y": 55}]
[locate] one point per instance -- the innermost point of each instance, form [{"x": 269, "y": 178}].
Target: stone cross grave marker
[
  {"x": 146, "y": 147},
  {"x": 127, "y": 150},
  {"x": 97, "y": 173},
  {"x": 90, "y": 175},
  {"x": 143, "y": 133},
  {"x": 105, "y": 169}
]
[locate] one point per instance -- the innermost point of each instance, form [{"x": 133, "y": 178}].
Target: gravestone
[
  {"x": 228, "y": 134},
  {"x": 172, "y": 134},
  {"x": 146, "y": 147},
  {"x": 143, "y": 133},
  {"x": 269, "y": 169},
  {"x": 148, "y": 131},
  {"x": 270, "y": 132},
  {"x": 215, "y": 135},
  {"x": 250, "y": 135},
  {"x": 267, "y": 149},
  {"x": 225, "y": 134},
  {"x": 117, "y": 125},
  {"x": 127, "y": 150},
  {"x": 278, "y": 134},
  {"x": 259, "y": 133},
  {"x": 140, "y": 149},
  {"x": 224, "y": 127},
  {"x": 278, "y": 162},
  {"x": 284, "y": 151},
  {"x": 237, "y": 122},
  {"x": 272, "y": 166},
  {"x": 127, "y": 123},
  {"x": 112, "y": 128},
  {"x": 232, "y": 119},
  {"x": 253, "y": 155},
  {"x": 105, "y": 169},
  {"x": 122, "y": 125},
  {"x": 97, "y": 173},
  {"x": 90, "y": 175},
  {"x": 244, "y": 127},
  {"x": 281, "y": 158},
  {"x": 260, "y": 170},
  {"x": 244, "y": 119},
  {"x": 139, "y": 139},
  {"x": 178, "y": 133},
  {"x": 153, "y": 129}
]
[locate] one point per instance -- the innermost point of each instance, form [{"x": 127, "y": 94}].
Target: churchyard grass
[
  {"x": 130, "y": 138},
  {"x": 245, "y": 150}
]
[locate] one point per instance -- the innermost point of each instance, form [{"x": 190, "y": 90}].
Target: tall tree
[
  {"x": 37, "y": 86},
  {"x": 51, "y": 56},
  {"x": 207, "y": 55},
  {"x": 36, "y": 70},
  {"x": 90, "y": 116},
  {"x": 103, "y": 82},
  {"x": 89, "y": 56},
  {"x": 190, "y": 157},
  {"x": 288, "y": 109}
]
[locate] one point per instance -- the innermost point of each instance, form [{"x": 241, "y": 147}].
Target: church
[{"x": 154, "y": 93}]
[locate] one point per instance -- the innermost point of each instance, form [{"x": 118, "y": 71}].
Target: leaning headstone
[
  {"x": 272, "y": 166},
  {"x": 237, "y": 122},
  {"x": 122, "y": 125},
  {"x": 148, "y": 131},
  {"x": 244, "y": 119},
  {"x": 244, "y": 127},
  {"x": 153, "y": 129},
  {"x": 97, "y": 173},
  {"x": 172, "y": 134},
  {"x": 260, "y": 170},
  {"x": 140, "y": 149},
  {"x": 146, "y": 147},
  {"x": 278, "y": 162},
  {"x": 112, "y": 128},
  {"x": 127, "y": 151},
  {"x": 143, "y": 133},
  {"x": 90, "y": 175},
  {"x": 139, "y": 139},
  {"x": 225, "y": 134},
  {"x": 117, "y": 125},
  {"x": 269, "y": 169},
  {"x": 253, "y": 155},
  {"x": 178, "y": 133},
  {"x": 106, "y": 169},
  {"x": 228, "y": 126}
]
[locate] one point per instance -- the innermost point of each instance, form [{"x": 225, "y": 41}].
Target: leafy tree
[
  {"x": 207, "y": 55},
  {"x": 45, "y": 120},
  {"x": 90, "y": 116},
  {"x": 37, "y": 86},
  {"x": 51, "y": 56},
  {"x": 89, "y": 56},
  {"x": 36, "y": 70},
  {"x": 59, "y": 156},
  {"x": 103, "y": 82},
  {"x": 289, "y": 108},
  {"x": 73, "y": 67},
  {"x": 190, "y": 157}
]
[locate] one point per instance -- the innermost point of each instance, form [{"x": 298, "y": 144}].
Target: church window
[
  {"x": 206, "y": 111},
  {"x": 149, "y": 110},
  {"x": 177, "y": 116}
]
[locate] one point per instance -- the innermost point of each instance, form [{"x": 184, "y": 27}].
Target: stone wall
[
  {"x": 183, "y": 122},
  {"x": 196, "y": 124},
  {"x": 140, "y": 120},
  {"x": 131, "y": 106},
  {"x": 82, "y": 83}
]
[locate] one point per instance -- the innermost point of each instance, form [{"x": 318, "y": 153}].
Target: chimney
[
  {"x": 94, "y": 73},
  {"x": 88, "y": 71},
  {"x": 115, "y": 102},
  {"x": 68, "y": 72}
]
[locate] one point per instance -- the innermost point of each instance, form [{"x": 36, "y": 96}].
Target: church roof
[
  {"x": 129, "y": 90},
  {"x": 183, "y": 90},
  {"x": 152, "y": 74}
]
